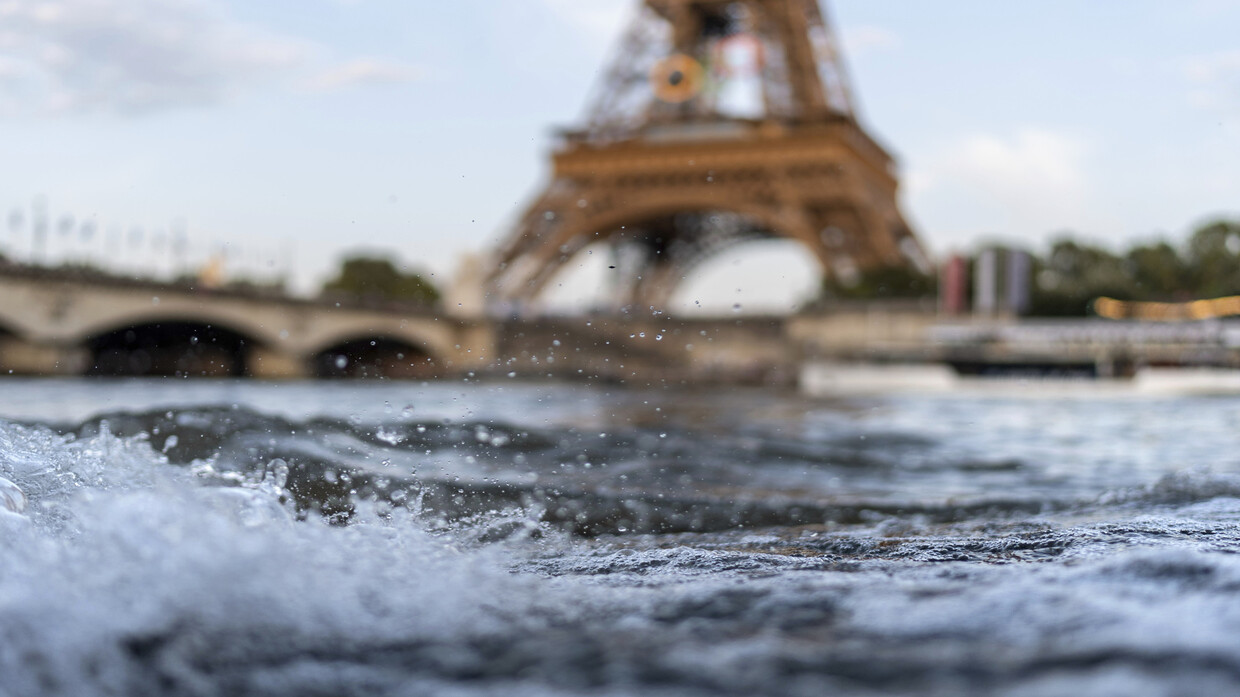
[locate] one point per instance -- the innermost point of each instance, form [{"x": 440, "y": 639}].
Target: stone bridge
[{"x": 58, "y": 324}]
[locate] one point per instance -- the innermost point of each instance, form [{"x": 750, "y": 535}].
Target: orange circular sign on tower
[{"x": 677, "y": 78}]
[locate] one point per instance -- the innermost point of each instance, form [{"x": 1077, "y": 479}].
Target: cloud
[
  {"x": 1029, "y": 183},
  {"x": 1214, "y": 78},
  {"x": 1213, "y": 67},
  {"x": 869, "y": 38},
  {"x": 126, "y": 56},
  {"x": 600, "y": 20},
  {"x": 1034, "y": 160},
  {"x": 362, "y": 71}
]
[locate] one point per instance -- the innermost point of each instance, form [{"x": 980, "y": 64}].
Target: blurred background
[{"x": 260, "y": 143}]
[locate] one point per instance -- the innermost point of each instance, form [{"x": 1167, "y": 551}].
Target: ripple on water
[{"x": 412, "y": 556}]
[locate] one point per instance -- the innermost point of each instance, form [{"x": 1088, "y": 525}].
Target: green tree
[
  {"x": 1213, "y": 256},
  {"x": 882, "y": 283},
  {"x": 1159, "y": 273},
  {"x": 374, "y": 278},
  {"x": 1073, "y": 274}
]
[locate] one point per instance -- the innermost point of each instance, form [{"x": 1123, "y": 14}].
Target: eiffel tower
[{"x": 719, "y": 122}]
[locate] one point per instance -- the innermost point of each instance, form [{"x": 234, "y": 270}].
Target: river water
[{"x": 507, "y": 538}]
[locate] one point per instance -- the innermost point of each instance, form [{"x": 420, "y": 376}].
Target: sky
[{"x": 153, "y": 134}]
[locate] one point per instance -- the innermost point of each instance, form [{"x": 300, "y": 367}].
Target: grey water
[{"x": 508, "y": 538}]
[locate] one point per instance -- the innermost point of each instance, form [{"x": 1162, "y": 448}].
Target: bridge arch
[
  {"x": 376, "y": 356},
  {"x": 431, "y": 336},
  {"x": 17, "y": 319},
  {"x": 675, "y": 253},
  {"x": 170, "y": 348},
  {"x": 191, "y": 310},
  {"x": 778, "y": 220},
  {"x": 768, "y": 275},
  {"x": 15, "y": 352}
]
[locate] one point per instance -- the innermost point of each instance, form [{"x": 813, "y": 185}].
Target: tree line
[
  {"x": 377, "y": 279},
  {"x": 1071, "y": 274}
]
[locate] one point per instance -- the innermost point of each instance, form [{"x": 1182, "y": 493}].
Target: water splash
[{"x": 754, "y": 560}]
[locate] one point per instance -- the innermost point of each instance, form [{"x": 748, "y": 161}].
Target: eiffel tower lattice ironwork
[{"x": 720, "y": 122}]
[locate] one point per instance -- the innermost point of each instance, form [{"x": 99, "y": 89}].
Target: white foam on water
[
  {"x": 124, "y": 574},
  {"x": 121, "y": 551}
]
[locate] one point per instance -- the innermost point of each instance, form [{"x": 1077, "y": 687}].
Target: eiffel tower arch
[{"x": 720, "y": 122}]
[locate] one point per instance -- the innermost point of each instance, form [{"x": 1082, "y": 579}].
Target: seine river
[{"x": 508, "y": 538}]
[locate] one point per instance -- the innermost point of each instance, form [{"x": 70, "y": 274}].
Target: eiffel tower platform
[{"x": 718, "y": 123}]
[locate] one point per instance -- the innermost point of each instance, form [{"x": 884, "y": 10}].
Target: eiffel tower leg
[
  {"x": 655, "y": 288},
  {"x": 532, "y": 255}
]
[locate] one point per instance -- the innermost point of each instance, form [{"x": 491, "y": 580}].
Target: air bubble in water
[
  {"x": 277, "y": 473},
  {"x": 12, "y": 498},
  {"x": 341, "y": 362},
  {"x": 389, "y": 437}
]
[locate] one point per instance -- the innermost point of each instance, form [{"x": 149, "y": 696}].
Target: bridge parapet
[
  {"x": 74, "y": 326},
  {"x": 56, "y": 325},
  {"x": 649, "y": 350}
]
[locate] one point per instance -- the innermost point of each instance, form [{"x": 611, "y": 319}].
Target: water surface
[{"x": 468, "y": 538}]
